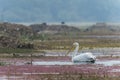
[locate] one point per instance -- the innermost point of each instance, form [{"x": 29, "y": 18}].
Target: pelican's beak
[{"x": 69, "y": 51}]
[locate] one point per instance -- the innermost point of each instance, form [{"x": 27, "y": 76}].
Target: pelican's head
[{"x": 75, "y": 44}]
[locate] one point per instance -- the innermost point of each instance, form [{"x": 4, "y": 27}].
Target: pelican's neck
[{"x": 76, "y": 50}]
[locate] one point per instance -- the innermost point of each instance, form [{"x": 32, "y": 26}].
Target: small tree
[
  {"x": 62, "y": 22},
  {"x": 44, "y": 23}
]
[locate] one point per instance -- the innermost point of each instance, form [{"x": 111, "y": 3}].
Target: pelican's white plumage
[{"x": 82, "y": 57}]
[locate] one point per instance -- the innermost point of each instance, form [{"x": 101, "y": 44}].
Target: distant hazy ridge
[{"x": 60, "y": 10}]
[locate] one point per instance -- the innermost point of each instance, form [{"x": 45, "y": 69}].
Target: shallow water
[
  {"x": 103, "y": 62},
  {"x": 4, "y": 77},
  {"x": 108, "y": 62},
  {"x": 59, "y": 63},
  {"x": 52, "y": 63}
]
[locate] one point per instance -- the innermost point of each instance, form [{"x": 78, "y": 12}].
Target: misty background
[{"x": 60, "y": 10}]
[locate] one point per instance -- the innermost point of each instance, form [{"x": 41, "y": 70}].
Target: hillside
[
  {"x": 44, "y": 28},
  {"x": 21, "y": 36},
  {"x": 15, "y": 30},
  {"x": 14, "y": 35},
  {"x": 103, "y": 28}
]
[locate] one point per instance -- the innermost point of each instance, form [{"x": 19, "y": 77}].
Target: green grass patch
[
  {"x": 3, "y": 63},
  {"x": 11, "y": 50}
]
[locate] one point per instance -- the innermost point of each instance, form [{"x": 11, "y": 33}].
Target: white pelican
[{"x": 81, "y": 57}]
